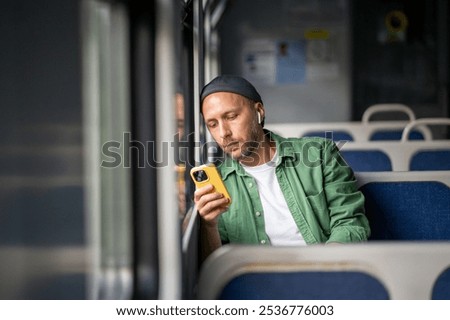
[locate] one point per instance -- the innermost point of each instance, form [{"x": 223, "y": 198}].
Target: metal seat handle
[
  {"x": 387, "y": 107},
  {"x": 422, "y": 122}
]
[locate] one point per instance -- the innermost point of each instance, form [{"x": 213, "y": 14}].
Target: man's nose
[{"x": 224, "y": 130}]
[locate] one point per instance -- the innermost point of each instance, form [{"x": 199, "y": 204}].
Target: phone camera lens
[{"x": 200, "y": 175}]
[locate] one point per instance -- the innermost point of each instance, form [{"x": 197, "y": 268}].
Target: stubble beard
[{"x": 249, "y": 149}]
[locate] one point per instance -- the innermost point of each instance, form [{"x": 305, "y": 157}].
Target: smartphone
[{"x": 208, "y": 174}]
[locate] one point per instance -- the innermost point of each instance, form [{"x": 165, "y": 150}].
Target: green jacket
[{"x": 319, "y": 189}]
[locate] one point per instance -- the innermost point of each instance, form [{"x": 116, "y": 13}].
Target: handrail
[
  {"x": 387, "y": 107},
  {"x": 423, "y": 121}
]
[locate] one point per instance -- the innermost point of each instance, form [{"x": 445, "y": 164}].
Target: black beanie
[{"x": 233, "y": 84}]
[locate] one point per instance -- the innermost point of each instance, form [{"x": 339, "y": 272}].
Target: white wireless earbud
[{"x": 259, "y": 118}]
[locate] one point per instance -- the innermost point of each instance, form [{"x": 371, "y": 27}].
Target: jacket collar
[{"x": 284, "y": 149}]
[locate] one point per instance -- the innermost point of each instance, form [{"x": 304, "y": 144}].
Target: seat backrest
[
  {"x": 394, "y": 135},
  {"x": 304, "y": 285},
  {"x": 407, "y": 205},
  {"x": 421, "y": 123},
  {"x": 374, "y": 270},
  {"x": 367, "y": 160},
  {"x": 430, "y": 160},
  {"x": 336, "y": 135},
  {"x": 385, "y": 134},
  {"x": 350, "y": 131},
  {"x": 416, "y": 210},
  {"x": 441, "y": 288},
  {"x": 396, "y": 155},
  {"x": 387, "y": 108}
]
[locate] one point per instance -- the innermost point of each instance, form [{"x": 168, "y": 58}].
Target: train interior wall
[
  {"x": 316, "y": 85},
  {"x": 345, "y": 56}
]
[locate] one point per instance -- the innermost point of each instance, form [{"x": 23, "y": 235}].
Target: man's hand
[{"x": 210, "y": 205}]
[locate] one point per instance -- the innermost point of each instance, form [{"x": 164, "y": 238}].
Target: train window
[
  {"x": 408, "y": 42},
  {"x": 184, "y": 104},
  {"x": 107, "y": 164}
]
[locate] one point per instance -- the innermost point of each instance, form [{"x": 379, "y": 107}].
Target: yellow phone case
[{"x": 208, "y": 174}]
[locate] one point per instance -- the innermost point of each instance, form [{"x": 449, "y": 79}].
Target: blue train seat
[
  {"x": 305, "y": 285},
  {"x": 393, "y": 135},
  {"x": 407, "y": 205},
  {"x": 423, "y": 213},
  {"x": 397, "y": 155},
  {"x": 441, "y": 288},
  {"x": 371, "y": 270},
  {"x": 367, "y": 160},
  {"x": 430, "y": 160},
  {"x": 379, "y": 135}
]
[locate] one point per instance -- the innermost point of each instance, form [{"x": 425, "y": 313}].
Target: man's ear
[{"x": 260, "y": 111}]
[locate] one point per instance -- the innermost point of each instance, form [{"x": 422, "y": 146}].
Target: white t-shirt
[{"x": 279, "y": 223}]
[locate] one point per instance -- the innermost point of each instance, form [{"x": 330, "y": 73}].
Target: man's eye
[
  {"x": 212, "y": 125},
  {"x": 232, "y": 117}
]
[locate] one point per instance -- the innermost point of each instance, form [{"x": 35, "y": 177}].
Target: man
[{"x": 284, "y": 191}]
